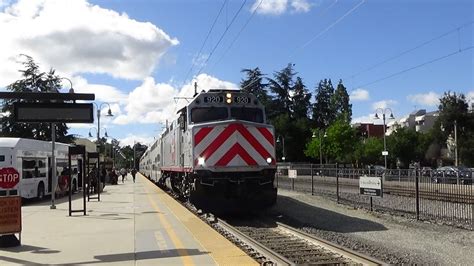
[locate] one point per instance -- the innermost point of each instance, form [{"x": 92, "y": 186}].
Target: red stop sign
[{"x": 9, "y": 177}]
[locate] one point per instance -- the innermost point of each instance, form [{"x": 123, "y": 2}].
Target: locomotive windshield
[
  {"x": 206, "y": 114},
  {"x": 247, "y": 114}
]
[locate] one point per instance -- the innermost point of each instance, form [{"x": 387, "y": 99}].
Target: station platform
[{"x": 133, "y": 224}]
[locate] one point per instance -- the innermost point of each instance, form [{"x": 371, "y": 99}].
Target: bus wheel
[{"x": 41, "y": 191}]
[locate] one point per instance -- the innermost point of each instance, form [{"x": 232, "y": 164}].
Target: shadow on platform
[
  {"x": 307, "y": 215},
  {"x": 144, "y": 255},
  {"x": 32, "y": 249}
]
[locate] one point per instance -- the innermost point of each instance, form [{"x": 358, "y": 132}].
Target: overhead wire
[
  {"x": 412, "y": 49},
  {"x": 205, "y": 39},
  {"x": 222, "y": 37},
  {"x": 238, "y": 34},
  {"x": 328, "y": 27},
  {"x": 417, "y": 66}
]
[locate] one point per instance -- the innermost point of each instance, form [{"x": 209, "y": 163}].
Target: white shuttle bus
[{"x": 32, "y": 159}]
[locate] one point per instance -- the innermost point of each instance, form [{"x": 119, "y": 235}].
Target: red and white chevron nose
[{"x": 233, "y": 145}]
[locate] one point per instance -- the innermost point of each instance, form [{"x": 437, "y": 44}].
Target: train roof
[{"x": 23, "y": 142}]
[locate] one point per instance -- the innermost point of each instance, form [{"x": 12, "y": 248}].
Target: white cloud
[
  {"x": 470, "y": 96},
  {"x": 425, "y": 99},
  {"x": 300, "y": 6},
  {"x": 384, "y": 104},
  {"x": 76, "y": 37},
  {"x": 278, "y": 7},
  {"x": 102, "y": 93},
  {"x": 153, "y": 102},
  {"x": 359, "y": 95},
  {"x": 131, "y": 139}
]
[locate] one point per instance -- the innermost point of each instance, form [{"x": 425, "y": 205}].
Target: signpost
[
  {"x": 371, "y": 186},
  {"x": 293, "y": 174},
  {"x": 10, "y": 208}
]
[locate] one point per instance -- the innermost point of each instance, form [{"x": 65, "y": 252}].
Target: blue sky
[{"x": 136, "y": 54}]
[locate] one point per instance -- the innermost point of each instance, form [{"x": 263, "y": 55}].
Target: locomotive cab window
[
  {"x": 247, "y": 114},
  {"x": 207, "y": 114}
]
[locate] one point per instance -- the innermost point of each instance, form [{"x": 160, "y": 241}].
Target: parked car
[
  {"x": 451, "y": 174},
  {"x": 426, "y": 171}
]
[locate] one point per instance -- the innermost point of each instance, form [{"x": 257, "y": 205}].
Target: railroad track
[
  {"x": 281, "y": 244},
  {"x": 284, "y": 245}
]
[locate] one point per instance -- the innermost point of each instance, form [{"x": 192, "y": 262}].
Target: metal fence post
[
  {"x": 417, "y": 196},
  {"x": 312, "y": 181},
  {"x": 337, "y": 185}
]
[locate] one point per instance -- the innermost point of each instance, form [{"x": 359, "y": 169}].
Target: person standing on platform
[
  {"x": 134, "y": 172},
  {"x": 123, "y": 172}
]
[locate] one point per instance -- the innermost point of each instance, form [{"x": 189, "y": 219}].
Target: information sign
[
  {"x": 292, "y": 173},
  {"x": 370, "y": 185},
  {"x": 10, "y": 215}
]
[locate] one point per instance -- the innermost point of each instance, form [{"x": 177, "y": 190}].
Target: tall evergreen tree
[
  {"x": 300, "y": 102},
  {"x": 33, "y": 81},
  {"x": 323, "y": 114},
  {"x": 340, "y": 102},
  {"x": 280, "y": 86},
  {"x": 253, "y": 83}
]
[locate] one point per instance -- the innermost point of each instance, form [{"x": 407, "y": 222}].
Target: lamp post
[
  {"x": 383, "y": 112},
  {"x": 283, "y": 142},
  {"x": 320, "y": 146}
]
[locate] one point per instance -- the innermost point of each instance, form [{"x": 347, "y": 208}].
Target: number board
[
  {"x": 241, "y": 99},
  {"x": 214, "y": 99}
]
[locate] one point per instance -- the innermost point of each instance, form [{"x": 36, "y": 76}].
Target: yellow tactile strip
[{"x": 221, "y": 250}]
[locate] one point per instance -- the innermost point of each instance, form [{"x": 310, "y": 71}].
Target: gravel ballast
[{"x": 392, "y": 239}]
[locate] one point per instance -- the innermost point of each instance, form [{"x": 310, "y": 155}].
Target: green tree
[
  {"x": 300, "y": 102},
  {"x": 323, "y": 114},
  {"x": 453, "y": 109},
  {"x": 340, "y": 103},
  {"x": 339, "y": 145},
  {"x": 280, "y": 86},
  {"x": 402, "y": 145},
  {"x": 253, "y": 83},
  {"x": 341, "y": 137},
  {"x": 368, "y": 151},
  {"x": 33, "y": 81}
]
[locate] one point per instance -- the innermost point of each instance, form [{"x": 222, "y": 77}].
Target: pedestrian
[
  {"x": 123, "y": 172},
  {"x": 134, "y": 172}
]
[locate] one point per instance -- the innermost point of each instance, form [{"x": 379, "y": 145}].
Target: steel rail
[
  {"x": 269, "y": 254},
  {"x": 353, "y": 255}
]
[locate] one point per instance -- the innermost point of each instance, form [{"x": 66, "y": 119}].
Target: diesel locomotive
[{"x": 219, "y": 153}]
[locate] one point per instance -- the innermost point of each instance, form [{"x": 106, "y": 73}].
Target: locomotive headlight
[
  {"x": 201, "y": 161},
  {"x": 269, "y": 160},
  {"x": 229, "y": 98}
]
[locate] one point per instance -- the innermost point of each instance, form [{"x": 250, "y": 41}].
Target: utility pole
[
  {"x": 53, "y": 165},
  {"x": 455, "y": 143}
]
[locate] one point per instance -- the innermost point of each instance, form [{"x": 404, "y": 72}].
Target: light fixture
[
  {"x": 90, "y": 135},
  {"x": 106, "y": 134},
  {"x": 228, "y": 95},
  {"x": 376, "y": 116},
  {"x": 201, "y": 161},
  {"x": 391, "y": 116},
  {"x": 109, "y": 113}
]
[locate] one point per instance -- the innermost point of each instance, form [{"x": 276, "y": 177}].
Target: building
[
  {"x": 369, "y": 129},
  {"x": 424, "y": 123},
  {"x": 419, "y": 120}
]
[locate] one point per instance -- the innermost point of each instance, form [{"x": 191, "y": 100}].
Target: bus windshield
[
  {"x": 207, "y": 114},
  {"x": 247, "y": 114}
]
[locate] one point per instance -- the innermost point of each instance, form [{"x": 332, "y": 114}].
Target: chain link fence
[{"x": 445, "y": 196}]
